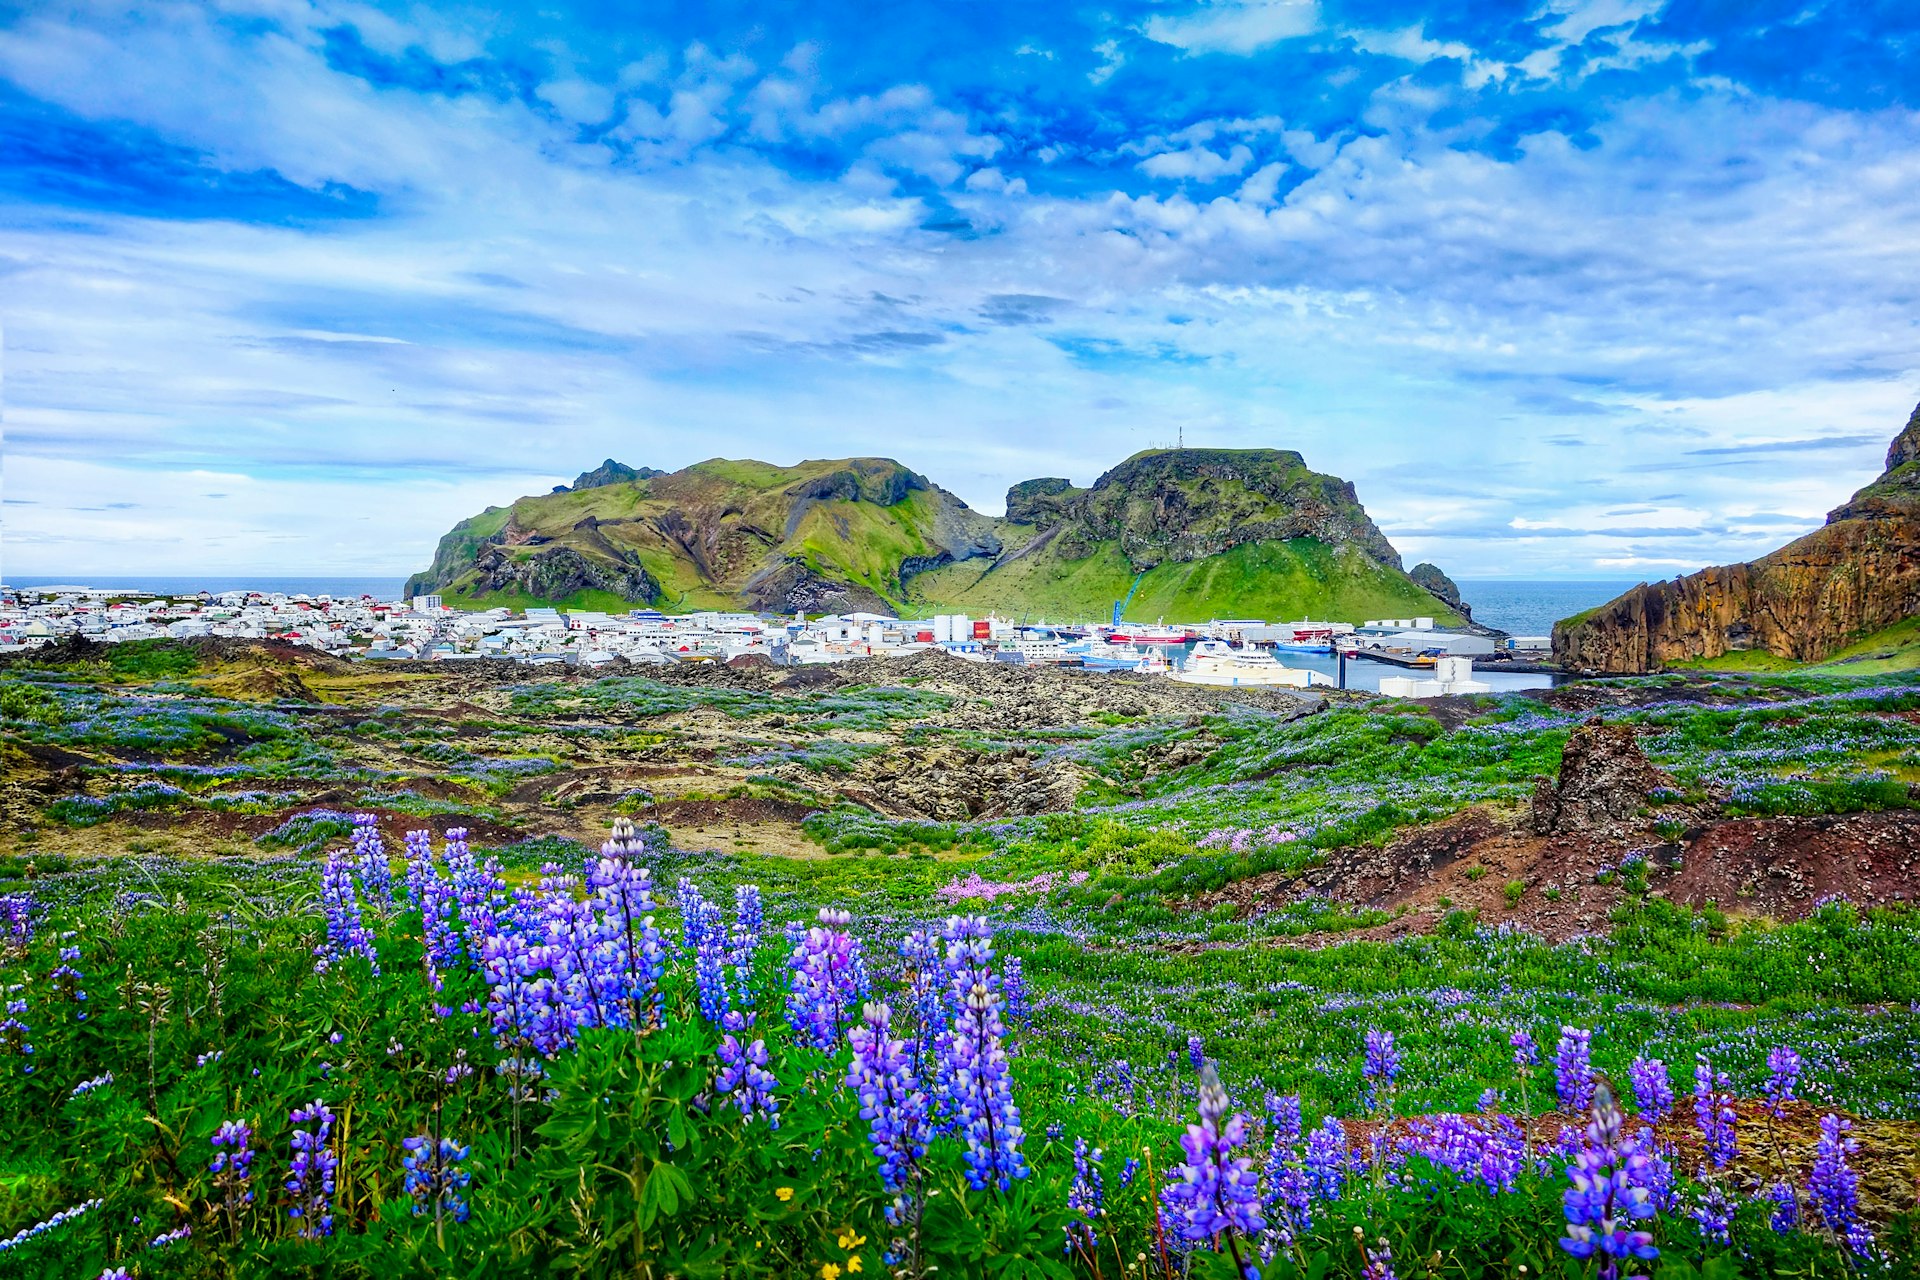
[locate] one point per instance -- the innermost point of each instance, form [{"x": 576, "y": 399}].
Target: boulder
[{"x": 1604, "y": 777}]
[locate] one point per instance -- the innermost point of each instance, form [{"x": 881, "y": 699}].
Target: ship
[{"x": 1216, "y": 663}]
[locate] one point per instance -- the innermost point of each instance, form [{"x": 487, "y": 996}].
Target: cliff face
[
  {"x": 1187, "y": 504},
  {"x": 1189, "y": 533},
  {"x": 1857, "y": 574},
  {"x": 1444, "y": 589}
]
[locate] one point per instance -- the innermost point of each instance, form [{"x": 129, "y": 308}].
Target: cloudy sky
[{"x": 1585, "y": 288}]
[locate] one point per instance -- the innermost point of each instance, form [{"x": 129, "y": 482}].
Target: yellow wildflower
[
  {"x": 853, "y": 1264},
  {"x": 783, "y": 1194},
  {"x": 829, "y": 1271},
  {"x": 849, "y": 1241}
]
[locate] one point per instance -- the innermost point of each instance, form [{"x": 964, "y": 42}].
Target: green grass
[
  {"x": 1300, "y": 578},
  {"x": 1895, "y": 648},
  {"x": 593, "y": 601}
]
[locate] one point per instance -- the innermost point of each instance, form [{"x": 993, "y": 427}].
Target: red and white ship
[{"x": 1151, "y": 635}]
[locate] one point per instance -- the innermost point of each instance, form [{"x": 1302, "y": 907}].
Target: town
[{"x": 424, "y": 628}]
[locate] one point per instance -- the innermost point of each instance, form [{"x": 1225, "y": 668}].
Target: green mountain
[{"x": 1181, "y": 534}]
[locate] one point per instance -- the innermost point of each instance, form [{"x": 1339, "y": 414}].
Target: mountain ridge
[{"x": 1186, "y": 532}]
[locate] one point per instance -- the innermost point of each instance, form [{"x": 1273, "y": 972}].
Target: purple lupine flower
[
  {"x": 1283, "y": 1118},
  {"x": 434, "y": 1177},
  {"x": 1713, "y": 1212},
  {"x": 625, "y": 842},
  {"x": 115, "y": 1273},
  {"x": 1379, "y": 1261},
  {"x": 1128, "y": 1172},
  {"x": 692, "y": 906},
  {"x": 1573, "y": 1069},
  {"x": 1525, "y": 1052},
  {"x": 1326, "y": 1159},
  {"x": 1196, "y": 1052},
  {"x": 1652, "y": 1088},
  {"x": 437, "y": 903},
  {"x": 66, "y": 981},
  {"x": 892, "y": 1101},
  {"x": 710, "y": 955},
  {"x": 14, "y": 1030},
  {"x": 168, "y": 1238},
  {"x": 1086, "y": 1199},
  {"x": 1713, "y": 1110},
  {"x": 1288, "y": 1198},
  {"x": 1786, "y": 1207},
  {"x": 975, "y": 1078},
  {"x": 743, "y": 1071},
  {"x": 826, "y": 978},
  {"x": 310, "y": 1177},
  {"x": 347, "y": 935},
  {"x": 232, "y": 1167},
  {"x": 1609, "y": 1193},
  {"x": 515, "y": 1005},
  {"x": 749, "y": 922},
  {"x": 41, "y": 1228},
  {"x": 1834, "y": 1187},
  {"x": 578, "y": 989},
  {"x": 475, "y": 887},
  {"x": 1783, "y": 1067},
  {"x": 1489, "y": 1152},
  {"x": 1381, "y": 1069},
  {"x": 923, "y": 983},
  {"x": 1214, "y": 1194},
  {"x": 370, "y": 858},
  {"x": 420, "y": 868},
  {"x": 17, "y": 912},
  {"x": 1013, "y": 985},
  {"x": 635, "y": 954},
  {"x": 86, "y": 1087}
]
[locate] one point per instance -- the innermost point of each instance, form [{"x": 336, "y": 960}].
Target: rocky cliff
[
  {"x": 1856, "y": 575},
  {"x": 1190, "y": 533}
]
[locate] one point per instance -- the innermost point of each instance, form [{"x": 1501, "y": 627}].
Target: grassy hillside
[
  {"x": 1897, "y": 648},
  {"x": 1299, "y": 578},
  {"x": 1191, "y": 534}
]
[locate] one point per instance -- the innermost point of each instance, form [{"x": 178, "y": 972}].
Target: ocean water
[
  {"x": 1529, "y": 607},
  {"x": 379, "y": 588},
  {"x": 1521, "y": 607}
]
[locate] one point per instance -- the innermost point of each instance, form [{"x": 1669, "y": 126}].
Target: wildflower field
[{"x": 365, "y": 1016}]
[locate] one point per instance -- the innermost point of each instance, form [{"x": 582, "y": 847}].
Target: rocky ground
[{"x": 738, "y": 758}]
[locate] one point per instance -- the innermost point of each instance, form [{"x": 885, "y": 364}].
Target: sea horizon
[{"x": 1518, "y": 606}]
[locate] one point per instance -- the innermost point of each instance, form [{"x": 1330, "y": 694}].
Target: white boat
[
  {"x": 1215, "y": 663},
  {"x": 1034, "y": 651}
]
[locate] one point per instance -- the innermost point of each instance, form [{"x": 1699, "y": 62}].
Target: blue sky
[{"x": 1585, "y": 287}]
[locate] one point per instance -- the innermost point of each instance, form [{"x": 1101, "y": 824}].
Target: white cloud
[
  {"x": 1261, "y": 186},
  {"x": 1410, "y": 43},
  {"x": 1197, "y": 164},
  {"x": 1235, "y": 26}
]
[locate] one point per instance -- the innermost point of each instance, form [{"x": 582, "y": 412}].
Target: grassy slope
[
  {"x": 854, "y": 541},
  {"x": 861, "y": 543},
  {"x": 1897, "y": 648},
  {"x": 1300, "y": 578}
]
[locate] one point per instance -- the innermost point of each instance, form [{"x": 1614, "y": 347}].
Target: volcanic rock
[
  {"x": 1857, "y": 575},
  {"x": 1604, "y": 777}
]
